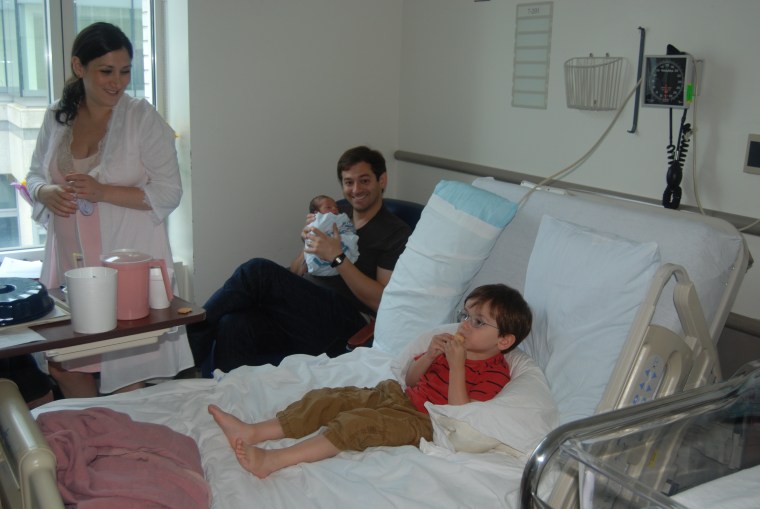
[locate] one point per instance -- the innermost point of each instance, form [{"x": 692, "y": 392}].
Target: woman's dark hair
[{"x": 92, "y": 42}]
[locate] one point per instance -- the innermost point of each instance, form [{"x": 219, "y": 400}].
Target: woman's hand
[
  {"x": 60, "y": 200},
  {"x": 86, "y": 187}
]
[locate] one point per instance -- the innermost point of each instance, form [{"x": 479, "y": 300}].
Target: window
[
  {"x": 31, "y": 31},
  {"x": 8, "y": 212}
]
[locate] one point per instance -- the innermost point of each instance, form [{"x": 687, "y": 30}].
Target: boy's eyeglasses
[{"x": 477, "y": 323}]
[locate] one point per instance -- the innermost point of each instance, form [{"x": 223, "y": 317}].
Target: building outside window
[{"x": 35, "y": 45}]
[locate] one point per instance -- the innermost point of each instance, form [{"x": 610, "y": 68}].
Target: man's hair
[
  {"x": 508, "y": 307},
  {"x": 315, "y": 202},
  {"x": 361, "y": 154}
]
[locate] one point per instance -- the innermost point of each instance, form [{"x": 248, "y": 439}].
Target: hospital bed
[{"x": 628, "y": 300}]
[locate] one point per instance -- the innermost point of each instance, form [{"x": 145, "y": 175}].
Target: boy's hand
[
  {"x": 421, "y": 364},
  {"x": 438, "y": 345},
  {"x": 456, "y": 356},
  {"x": 455, "y": 352}
]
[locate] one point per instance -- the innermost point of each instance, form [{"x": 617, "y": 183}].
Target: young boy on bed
[{"x": 455, "y": 370}]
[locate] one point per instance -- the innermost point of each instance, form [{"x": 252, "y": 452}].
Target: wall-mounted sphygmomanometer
[{"x": 669, "y": 83}]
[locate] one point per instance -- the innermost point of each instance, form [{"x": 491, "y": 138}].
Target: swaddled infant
[{"x": 327, "y": 213}]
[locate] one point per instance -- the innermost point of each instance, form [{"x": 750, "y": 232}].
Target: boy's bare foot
[
  {"x": 252, "y": 459},
  {"x": 234, "y": 429}
]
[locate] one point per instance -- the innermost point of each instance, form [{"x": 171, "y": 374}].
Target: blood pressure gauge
[{"x": 668, "y": 81}]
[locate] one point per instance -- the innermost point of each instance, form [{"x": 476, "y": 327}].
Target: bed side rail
[
  {"x": 655, "y": 362},
  {"x": 682, "y": 360},
  {"x": 27, "y": 465}
]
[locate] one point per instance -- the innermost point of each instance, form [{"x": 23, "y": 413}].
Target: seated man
[{"x": 265, "y": 312}]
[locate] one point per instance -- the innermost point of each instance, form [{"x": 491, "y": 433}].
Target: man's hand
[{"x": 321, "y": 245}]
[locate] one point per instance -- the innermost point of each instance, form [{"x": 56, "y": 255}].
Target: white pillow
[
  {"x": 512, "y": 422},
  {"x": 584, "y": 288},
  {"x": 455, "y": 234}
]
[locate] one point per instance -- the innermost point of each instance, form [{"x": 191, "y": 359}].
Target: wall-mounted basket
[{"x": 593, "y": 83}]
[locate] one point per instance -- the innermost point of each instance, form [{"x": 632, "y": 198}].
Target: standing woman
[{"x": 104, "y": 175}]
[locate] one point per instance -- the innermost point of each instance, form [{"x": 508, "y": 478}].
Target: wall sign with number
[{"x": 533, "y": 34}]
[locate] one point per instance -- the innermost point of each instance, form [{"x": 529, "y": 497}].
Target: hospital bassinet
[{"x": 697, "y": 449}]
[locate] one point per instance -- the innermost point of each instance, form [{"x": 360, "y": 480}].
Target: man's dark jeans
[{"x": 264, "y": 313}]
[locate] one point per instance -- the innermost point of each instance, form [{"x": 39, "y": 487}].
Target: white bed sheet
[
  {"x": 380, "y": 477},
  {"x": 740, "y": 490}
]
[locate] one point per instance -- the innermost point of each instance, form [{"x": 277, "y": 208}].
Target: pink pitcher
[{"x": 132, "y": 281}]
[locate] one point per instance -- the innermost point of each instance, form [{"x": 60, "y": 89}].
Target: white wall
[
  {"x": 456, "y": 83},
  {"x": 278, "y": 90}
]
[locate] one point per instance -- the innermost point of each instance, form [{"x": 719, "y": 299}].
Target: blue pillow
[
  {"x": 484, "y": 205},
  {"x": 455, "y": 234}
]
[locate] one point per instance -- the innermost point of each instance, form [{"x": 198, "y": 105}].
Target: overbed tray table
[{"x": 62, "y": 343}]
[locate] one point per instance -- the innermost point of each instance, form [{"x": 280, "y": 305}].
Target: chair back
[{"x": 408, "y": 211}]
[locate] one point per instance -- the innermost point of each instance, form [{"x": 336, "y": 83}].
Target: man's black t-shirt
[{"x": 381, "y": 242}]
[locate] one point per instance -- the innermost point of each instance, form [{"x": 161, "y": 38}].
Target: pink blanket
[{"x": 105, "y": 459}]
